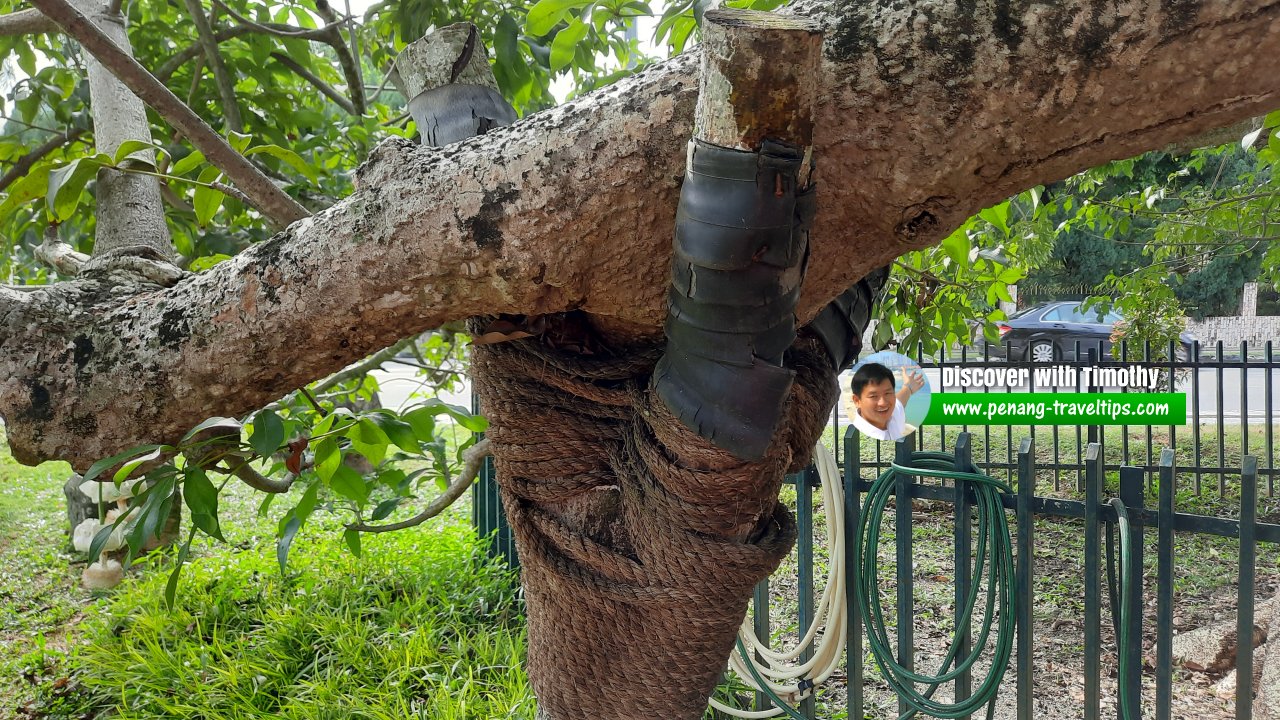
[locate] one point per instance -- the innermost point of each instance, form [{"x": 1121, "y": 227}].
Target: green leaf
[
  {"x": 171, "y": 587},
  {"x": 66, "y": 185},
  {"x": 289, "y": 530},
  {"x": 385, "y": 508},
  {"x": 223, "y": 423},
  {"x": 188, "y": 163},
  {"x": 289, "y": 157},
  {"x": 348, "y": 483},
  {"x": 127, "y": 469},
  {"x": 31, "y": 186},
  {"x": 423, "y": 422},
  {"x": 400, "y": 432},
  {"x": 546, "y": 14},
  {"x": 105, "y": 464},
  {"x": 352, "y": 538},
  {"x": 956, "y": 246},
  {"x": 327, "y": 459},
  {"x": 565, "y": 44},
  {"x": 207, "y": 200},
  {"x": 202, "y": 498},
  {"x": 998, "y": 216},
  {"x": 239, "y": 141},
  {"x": 369, "y": 440},
  {"x": 201, "y": 264},
  {"x": 268, "y": 433},
  {"x": 129, "y": 147}
]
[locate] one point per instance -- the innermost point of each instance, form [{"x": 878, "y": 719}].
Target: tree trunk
[
  {"x": 640, "y": 541},
  {"x": 927, "y": 114},
  {"x": 129, "y": 209}
]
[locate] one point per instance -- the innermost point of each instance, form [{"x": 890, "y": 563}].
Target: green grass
[{"x": 422, "y": 626}]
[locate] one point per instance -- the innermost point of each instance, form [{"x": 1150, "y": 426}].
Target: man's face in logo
[{"x": 876, "y": 403}]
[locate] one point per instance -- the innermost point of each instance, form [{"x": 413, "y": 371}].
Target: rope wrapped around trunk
[{"x": 640, "y": 542}]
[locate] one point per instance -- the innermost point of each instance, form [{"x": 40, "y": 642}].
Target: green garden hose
[
  {"x": 1120, "y": 589},
  {"x": 993, "y": 559}
]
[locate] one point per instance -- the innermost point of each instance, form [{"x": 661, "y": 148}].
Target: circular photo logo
[{"x": 885, "y": 396}]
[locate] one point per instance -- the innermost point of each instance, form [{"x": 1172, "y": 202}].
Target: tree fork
[
  {"x": 927, "y": 114},
  {"x": 701, "y": 525}
]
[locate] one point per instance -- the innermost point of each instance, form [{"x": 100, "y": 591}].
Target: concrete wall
[
  {"x": 1249, "y": 327},
  {"x": 1232, "y": 330}
]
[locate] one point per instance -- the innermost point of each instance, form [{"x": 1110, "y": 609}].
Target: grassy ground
[{"x": 421, "y": 627}]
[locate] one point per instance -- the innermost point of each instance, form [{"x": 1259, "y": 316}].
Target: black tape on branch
[
  {"x": 841, "y": 323},
  {"x": 741, "y": 243}
]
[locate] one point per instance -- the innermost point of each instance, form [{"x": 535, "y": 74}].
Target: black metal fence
[
  {"x": 1233, "y": 405},
  {"x": 1233, "y": 411},
  {"x": 1164, "y": 519}
]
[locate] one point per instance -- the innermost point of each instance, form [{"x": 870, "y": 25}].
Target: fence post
[
  {"x": 1023, "y": 590},
  {"x": 804, "y": 570},
  {"x": 1132, "y": 494},
  {"x": 1244, "y": 609},
  {"x": 760, "y": 624},
  {"x": 1164, "y": 588},
  {"x": 964, "y": 560},
  {"x": 905, "y": 575},
  {"x": 1093, "y": 476},
  {"x": 852, "y": 509}
]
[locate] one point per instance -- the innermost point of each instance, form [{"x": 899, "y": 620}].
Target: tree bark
[
  {"x": 130, "y": 212},
  {"x": 927, "y": 114}
]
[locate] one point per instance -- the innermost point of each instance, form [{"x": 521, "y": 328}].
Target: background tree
[{"x": 928, "y": 115}]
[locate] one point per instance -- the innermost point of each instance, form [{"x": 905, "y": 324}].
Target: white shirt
[{"x": 896, "y": 428}]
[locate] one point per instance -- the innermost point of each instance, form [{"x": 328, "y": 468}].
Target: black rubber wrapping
[
  {"x": 741, "y": 243},
  {"x": 842, "y": 322}
]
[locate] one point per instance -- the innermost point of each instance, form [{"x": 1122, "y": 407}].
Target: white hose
[{"x": 777, "y": 668}]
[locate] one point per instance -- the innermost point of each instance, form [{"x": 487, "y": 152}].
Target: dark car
[{"x": 1053, "y": 331}]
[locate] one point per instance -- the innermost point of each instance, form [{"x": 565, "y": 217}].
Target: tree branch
[
  {"x": 325, "y": 88},
  {"x": 473, "y": 460},
  {"x": 26, "y": 22},
  {"x": 245, "y": 473},
  {"x": 60, "y": 256},
  {"x": 24, "y": 163},
  {"x": 346, "y": 57},
  {"x": 919, "y": 126},
  {"x": 277, "y": 29},
  {"x": 221, "y": 76},
  {"x": 189, "y": 53},
  {"x": 266, "y": 197}
]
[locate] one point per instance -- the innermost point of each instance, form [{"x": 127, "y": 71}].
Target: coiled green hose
[{"x": 993, "y": 560}]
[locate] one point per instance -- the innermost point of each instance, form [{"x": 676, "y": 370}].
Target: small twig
[
  {"x": 275, "y": 28},
  {"x": 396, "y": 120},
  {"x": 270, "y": 200},
  {"x": 325, "y": 88},
  {"x": 256, "y": 480},
  {"x": 189, "y": 53},
  {"x": 24, "y": 163},
  {"x": 221, "y": 75},
  {"x": 228, "y": 190},
  {"x": 472, "y": 461},
  {"x": 346, "y": 56},
  {"x": 312, "y": 399},
  {"x": 59, "y": 255},
  {"x": 28, "y": 125}
]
